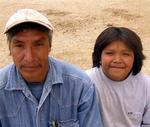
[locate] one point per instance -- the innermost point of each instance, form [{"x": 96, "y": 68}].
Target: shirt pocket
[
  {"x": 70, "y": 123},
  {"x": 12, "y": 106},
  {"x": 136, "y": 117}
]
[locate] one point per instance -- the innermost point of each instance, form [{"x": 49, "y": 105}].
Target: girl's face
[{"x": 117, "y": 60}]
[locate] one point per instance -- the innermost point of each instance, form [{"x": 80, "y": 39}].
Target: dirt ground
[{"x": 77, "y": 23}]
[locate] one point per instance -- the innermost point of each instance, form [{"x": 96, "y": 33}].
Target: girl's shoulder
[{"x": 91, "y": 71}]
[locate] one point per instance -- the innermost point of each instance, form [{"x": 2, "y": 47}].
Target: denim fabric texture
[{"x": 68, "y": 98}]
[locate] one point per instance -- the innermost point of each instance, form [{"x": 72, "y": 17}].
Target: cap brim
[{"x": 50, "y": 27}]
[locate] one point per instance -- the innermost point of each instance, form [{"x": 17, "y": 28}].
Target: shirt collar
[{"x": 16, "y": 81}]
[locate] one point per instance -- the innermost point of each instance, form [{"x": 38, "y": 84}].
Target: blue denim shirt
[{"x": 68, "y": 98}]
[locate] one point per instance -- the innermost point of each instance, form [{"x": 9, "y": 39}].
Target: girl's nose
[{"x": 117, "y": 58}]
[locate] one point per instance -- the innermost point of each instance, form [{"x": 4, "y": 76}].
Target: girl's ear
[{"x": 100, "y": 61}]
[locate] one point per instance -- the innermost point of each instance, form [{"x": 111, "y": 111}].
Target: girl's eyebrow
[{"x": 128, "y": 50}]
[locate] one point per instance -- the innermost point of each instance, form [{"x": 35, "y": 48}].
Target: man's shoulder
[
  {"x": 4, "y": 75},
  {"x": 69, "y": 69}
]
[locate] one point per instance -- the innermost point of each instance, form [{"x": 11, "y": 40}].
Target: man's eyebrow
[
  {"x": 15, "y": 41},
  {"x": 42, "y": 39}
]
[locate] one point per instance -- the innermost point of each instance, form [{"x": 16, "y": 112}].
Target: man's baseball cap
[{"x": 27, "y": 15}]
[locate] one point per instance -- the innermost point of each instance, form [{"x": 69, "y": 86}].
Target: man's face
[{"x": 29, "y": 50}]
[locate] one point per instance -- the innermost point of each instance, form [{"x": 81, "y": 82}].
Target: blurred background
[{"x": 77, "y": 24}]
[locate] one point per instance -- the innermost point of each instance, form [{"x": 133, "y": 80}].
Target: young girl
[{"x": 123, "y": 91}]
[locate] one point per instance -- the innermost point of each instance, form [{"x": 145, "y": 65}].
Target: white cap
[{"x": 27, "y": 15}]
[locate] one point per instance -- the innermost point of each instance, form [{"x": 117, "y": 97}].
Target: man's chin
[{"x": 31, "y": 78}]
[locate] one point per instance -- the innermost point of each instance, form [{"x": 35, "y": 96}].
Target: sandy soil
[{"x": 78, "y": 22}]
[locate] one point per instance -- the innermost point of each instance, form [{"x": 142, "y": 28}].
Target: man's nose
[{"x": 29, "y": 54}]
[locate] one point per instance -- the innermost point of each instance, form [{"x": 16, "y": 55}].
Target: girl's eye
[
  {"x": 109, "y": 53},
  {"x": 126, "y": 54}
]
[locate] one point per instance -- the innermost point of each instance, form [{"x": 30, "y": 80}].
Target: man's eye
[
  {"x": 39, "y": 44},
  {"x": 18, "y": 45}
]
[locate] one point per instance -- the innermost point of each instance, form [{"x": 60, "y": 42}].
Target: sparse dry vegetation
[{"x": 77, "y": 23}]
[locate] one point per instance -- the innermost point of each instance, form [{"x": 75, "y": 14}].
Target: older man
[{"x": 38, "y": 90}]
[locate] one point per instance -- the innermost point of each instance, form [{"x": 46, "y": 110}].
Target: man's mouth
[{"x": 30, "y": 68}]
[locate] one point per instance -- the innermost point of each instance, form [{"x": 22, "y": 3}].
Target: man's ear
[
  {"x": 50, "y": 46},
  {"x": 9, "y": 50}
]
